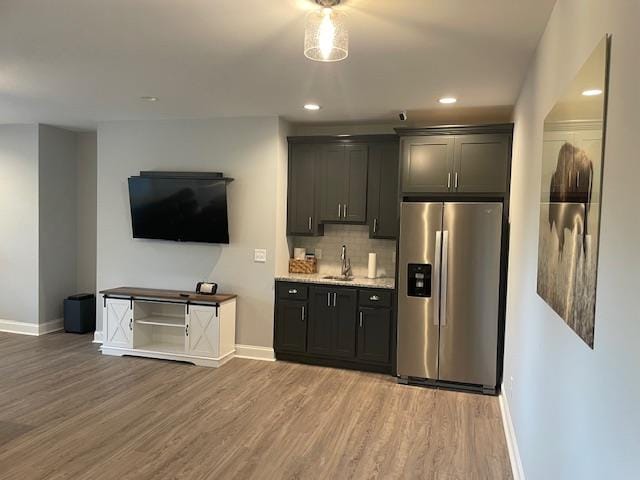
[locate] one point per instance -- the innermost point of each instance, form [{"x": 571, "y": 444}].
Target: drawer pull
[
  {"x": 374, "y": 298},
  {"x": 293, "y": 291}
]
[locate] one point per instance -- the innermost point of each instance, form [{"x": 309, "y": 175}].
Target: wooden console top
[{"x": 172, "y": 295}]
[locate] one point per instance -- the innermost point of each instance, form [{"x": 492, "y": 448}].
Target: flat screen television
[{"x": 186, "y": 209}]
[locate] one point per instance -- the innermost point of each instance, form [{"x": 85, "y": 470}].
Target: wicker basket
[{"x": 303, "y": 266}]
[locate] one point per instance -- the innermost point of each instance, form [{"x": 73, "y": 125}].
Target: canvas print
[{"x": 571, "y": 195}]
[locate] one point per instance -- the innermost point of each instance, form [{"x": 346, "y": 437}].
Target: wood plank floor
[{"x": 67, "y": 412}]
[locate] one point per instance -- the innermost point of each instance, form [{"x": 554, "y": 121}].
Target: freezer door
[
  {"x": 471, "y": 244},
  {"x": 419, "y": 259}
]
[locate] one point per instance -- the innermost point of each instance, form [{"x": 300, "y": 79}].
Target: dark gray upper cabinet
[
  {"x": 303, "y": 191},
  {"x": 456, "y": 160},
  {"x": 344, "y": 183},
  {"x": 382, "y": 197},
  {"x": 481, "y": 163},
  {"x": 427, "y": 164}
]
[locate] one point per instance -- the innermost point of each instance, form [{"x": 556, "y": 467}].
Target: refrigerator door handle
[
  {"x": 436, "y": 278},
  {"x": 444, "y": 279}
]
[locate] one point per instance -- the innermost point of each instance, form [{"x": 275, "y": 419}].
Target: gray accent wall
[
  {"x": 57, "y": 227},
  {"x": 575, "y": 410},
  {"x": 19, "y": 223},
  {"x": 247, "y": 149},
  {"x": 87, "y": 158}
]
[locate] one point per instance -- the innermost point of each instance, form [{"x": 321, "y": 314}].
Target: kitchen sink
[{"x": 338, "y": 277}]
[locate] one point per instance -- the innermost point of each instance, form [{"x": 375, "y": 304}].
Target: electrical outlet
[
  {"x": 318, "y": 252},
  {"x": 260, "y": 255}
]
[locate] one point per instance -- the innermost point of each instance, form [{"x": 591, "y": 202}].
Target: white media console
[{"x": 169, "y": 324}]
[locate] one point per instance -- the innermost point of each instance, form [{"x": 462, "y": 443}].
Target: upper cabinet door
[
  {"x": 334, "y": 181},
  {"x": 481, "y": 163},
  {"x": 355, "y": 204},
  {"x": 303, "y": 186},
  {"x": 427, "y": 164},
  {"x": 382, "y": 200},
  {"x": 344, "y": 183}
]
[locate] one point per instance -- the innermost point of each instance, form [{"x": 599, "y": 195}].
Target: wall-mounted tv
[{"x": 187, "y": 208}]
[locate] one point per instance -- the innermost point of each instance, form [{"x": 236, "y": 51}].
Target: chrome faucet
[{"x": 345, "y": 271}]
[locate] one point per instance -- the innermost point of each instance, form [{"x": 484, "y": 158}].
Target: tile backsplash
[{"x": 359, "y": 245}]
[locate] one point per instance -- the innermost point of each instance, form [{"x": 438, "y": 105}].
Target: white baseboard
[
  {"x": 97, "y": 336},
  {"x": 35, "y": 329},
  {"x": 512, "y": 441},
  {"x": 255, "y": 353}
]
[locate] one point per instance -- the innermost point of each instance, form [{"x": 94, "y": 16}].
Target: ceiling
[{"x": 77, "y": 62}]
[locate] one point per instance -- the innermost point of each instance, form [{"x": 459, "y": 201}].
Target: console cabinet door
[
  {"x": 202, "y": 331},
  {"x": 291, "y": 326},
  {"x": 382, "y": 195},
  {"x": 344, "y": 321},
  {"x": 374, "y": 331},
  {"x": 427, "y": 164},
  {"x": 481, "y": 163},
  {"x": 118, "y": 316},
  {"x": 303, "y": 185},
  {"x": 320, "y": 323}
]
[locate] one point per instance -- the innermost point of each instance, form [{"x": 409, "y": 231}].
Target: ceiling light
[
  {"x": 312, "y": 106},
  {"x": 326, "y": 38},
  {"x": 149, "y": 99},
  {"x": 447, "y": 100},
  {"x": 592, "y": 92}
]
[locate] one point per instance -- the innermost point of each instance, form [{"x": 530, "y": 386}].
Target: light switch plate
[
  {"x": 318, "y": 253},
  {"x": 260, "y": 255}
]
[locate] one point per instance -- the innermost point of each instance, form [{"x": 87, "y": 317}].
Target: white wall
[
  {"x": 57, "y": 213},
  {"x": 86, "y": 164},
  {"x": 19, "y": 223},
  {"x": 246, "y": 149},
  {"x": 575, "y": 410}
]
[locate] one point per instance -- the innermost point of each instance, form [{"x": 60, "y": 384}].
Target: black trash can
[{"x": 80, "y": 313}]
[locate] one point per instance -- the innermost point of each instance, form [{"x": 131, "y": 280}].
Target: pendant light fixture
[{"x": 326, "y": 38}]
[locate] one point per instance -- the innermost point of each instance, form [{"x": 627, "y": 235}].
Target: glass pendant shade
[{"x": 326, "y": 38}]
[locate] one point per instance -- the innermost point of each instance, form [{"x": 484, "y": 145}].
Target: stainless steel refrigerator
[{"x": 449, "y": 293}]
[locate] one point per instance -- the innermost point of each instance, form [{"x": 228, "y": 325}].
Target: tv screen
[{"x": 179, "y": 209}]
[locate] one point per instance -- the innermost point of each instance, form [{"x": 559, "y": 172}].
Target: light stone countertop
[{"x": 383, "y": 282}]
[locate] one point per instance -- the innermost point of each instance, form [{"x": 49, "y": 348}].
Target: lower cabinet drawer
[
  {"x": 374, "y": 298},
  {"x": 292, "y": 291}
]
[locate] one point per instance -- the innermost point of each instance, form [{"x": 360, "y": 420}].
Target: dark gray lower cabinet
[
  {"x": 291, "y": 318},
  {"x": 374, "y": 334},
  {"x": 336, "y": 326}
]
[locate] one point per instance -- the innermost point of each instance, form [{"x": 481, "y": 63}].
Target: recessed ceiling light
[
  {"x": 592, "y": 92},
  {"x": 149, "y": 99},
  {"x": 447, "y": 100},
  {"x": 312, "y": 106}
]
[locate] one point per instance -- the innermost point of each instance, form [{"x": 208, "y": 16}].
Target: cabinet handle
[
  {"x": 456, "y": 181},
  {"x": 339, "y": 210},
  {"x": 335, "y": 298},
  {"x": 360, "y": 318},
  {"x": 578, "y": 180},
  {"x": 310, "y": 222},
  {"x": 293, "y": 291},
  {"x": 328, "y": 299},
  {"x": 448, "y": 180},
  {"x": 131, "y": 324},
  {"x": 375, "y": 225},
  {"x": 344, "y": 211},
  {"x": 186, "y": 330},
  {"x": 303, "y": 313},
  {"x": 374, "y": 298}
]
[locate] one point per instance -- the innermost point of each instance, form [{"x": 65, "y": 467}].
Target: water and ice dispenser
[{"x": 419, "y": 281}]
